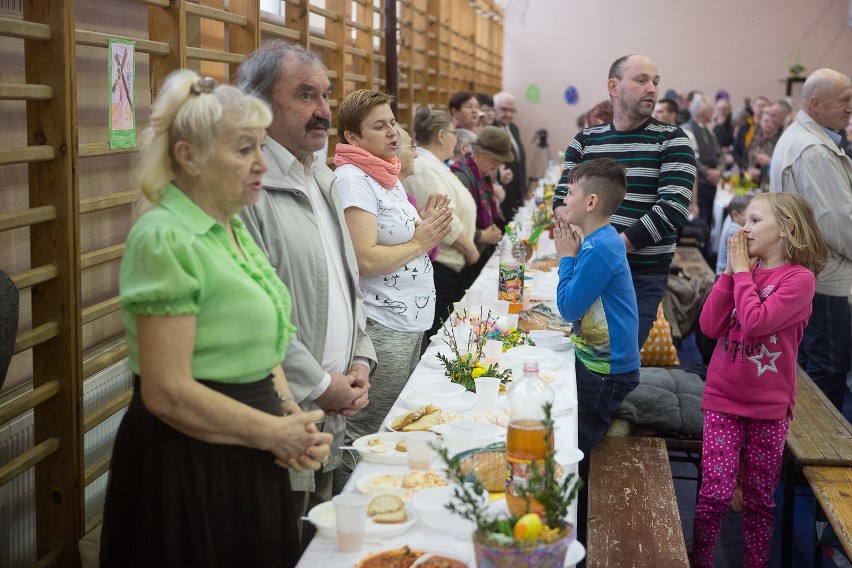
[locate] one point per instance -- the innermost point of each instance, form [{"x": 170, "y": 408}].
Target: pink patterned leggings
[{"x": 724, "y": 434}]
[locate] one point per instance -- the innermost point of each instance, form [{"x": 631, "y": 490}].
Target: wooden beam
[
  {"x": 56, "y": 302},
  {"x": 102, "y": 202},
  {"x": 36, "y": 336},
  {"x": 27, "y": 217},
  {"x": 23, "y": 29},
  {"x": 214, "y": 55},
  {"x": 229, "y": 17},
  {"x": 40, "y": 153},
  {"x": 34, "y": 276},
  {"x": 23, "y": 92},
  {"x": 167, "y": 25},
  {"x": 97, "y": 39},
  {"x": 244, "y": 39},
  {"x": 28, "y": 459},
  {"x": 30, "y": 399}
]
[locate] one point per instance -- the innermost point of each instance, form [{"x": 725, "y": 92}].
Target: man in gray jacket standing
[
  {"x": 809, "y": 161},
  {"x": 298, "y": 222}
]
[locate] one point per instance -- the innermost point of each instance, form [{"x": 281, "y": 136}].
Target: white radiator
[{"x": 17, "y": 501}]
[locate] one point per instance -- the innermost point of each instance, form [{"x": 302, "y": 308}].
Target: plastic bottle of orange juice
[{"x": 525, "y": 442}]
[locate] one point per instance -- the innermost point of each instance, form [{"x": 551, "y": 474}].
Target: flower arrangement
[
  {"x": 742, "y": 183},
  {"x": 795, "y": 68},
  {"x": 518, "y": 531},
  {"x": 542, "y": 219},
  {"x": 464, "y": 367}
]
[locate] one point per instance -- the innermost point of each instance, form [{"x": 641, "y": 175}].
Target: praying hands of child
[
  {"x": 738, "y": 259},
  {"x": 567, "y": 238}
]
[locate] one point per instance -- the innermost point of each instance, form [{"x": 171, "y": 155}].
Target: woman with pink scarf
[{"x": 391, "y": 243}]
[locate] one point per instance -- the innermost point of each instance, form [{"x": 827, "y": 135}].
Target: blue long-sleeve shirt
[{"x": 595, "y": 291}]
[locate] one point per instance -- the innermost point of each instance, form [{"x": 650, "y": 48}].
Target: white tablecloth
[{"x": 323, "y": 552}]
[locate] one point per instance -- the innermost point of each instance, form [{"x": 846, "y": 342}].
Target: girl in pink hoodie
[{"x": 757, "y": 311}]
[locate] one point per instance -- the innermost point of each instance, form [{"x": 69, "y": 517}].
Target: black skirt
[{"x": 174, "y": 500}]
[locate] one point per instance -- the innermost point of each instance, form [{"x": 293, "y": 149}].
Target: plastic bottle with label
[
  {"x": 513, "y": 256},
  {"x": 525, "y": 440}
]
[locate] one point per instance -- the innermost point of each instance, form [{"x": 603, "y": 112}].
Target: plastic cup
[
  {"x": 420, "y": 452},
  {"x": 473, "y": 296},
  {"x": 491, "y": 352},
  {"x": 487, "y": 391},
  {"x": 500, "y": 306},
  {"x": 350, "y": 509},
  {"x": 460, "y": 436}
]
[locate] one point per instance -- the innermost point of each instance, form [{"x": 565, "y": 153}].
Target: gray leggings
[{"x": 397, "y": 354}]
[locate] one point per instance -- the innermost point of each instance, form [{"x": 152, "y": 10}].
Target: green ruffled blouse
[{"x": 179, "y": 260}]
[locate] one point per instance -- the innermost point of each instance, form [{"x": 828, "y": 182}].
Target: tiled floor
[{"x": 729, "y": 548}]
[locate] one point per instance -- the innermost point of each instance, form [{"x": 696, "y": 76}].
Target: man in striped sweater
[{"x": 661, "y": 171}]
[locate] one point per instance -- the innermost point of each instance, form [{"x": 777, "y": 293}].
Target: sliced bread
[{"x": 387, "y": 509}]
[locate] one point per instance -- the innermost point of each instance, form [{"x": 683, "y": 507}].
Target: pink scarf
[{"x": 383, "y": 171}]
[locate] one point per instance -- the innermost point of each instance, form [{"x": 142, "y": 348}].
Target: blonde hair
[
  {"x": 355, "y": 108},
  {"x": 803, "y": 242},
  {"x": 191, "y": 109}
]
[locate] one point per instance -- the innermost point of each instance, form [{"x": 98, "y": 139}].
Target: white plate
[
  {"x": 486, "y": 433},
  {"x": 390, "y": 457},
  {"x": 430, "y": 358},
  {"x": 368, "y": 485},
  {"x": 556, "y": 379},
  {"x": 568, "y": 456},
  {"x": 323, "y": 518},
  {"x": 575, "y": 553},
  {"x": 549, "y": 361},
  {"x": 563, "y": 404},
  {"x": 529, "y": 351},
  {"x": 465, "y": 402},
  {"x": 451, "y": 554}
]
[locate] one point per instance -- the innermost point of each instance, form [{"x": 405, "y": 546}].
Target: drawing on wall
[{"x": 122, "y": 107}]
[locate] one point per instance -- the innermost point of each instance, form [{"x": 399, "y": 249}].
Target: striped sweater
[{"x": 660, "y": 165}]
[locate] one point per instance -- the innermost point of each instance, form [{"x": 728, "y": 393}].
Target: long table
[{"x": 323, "y": 550}]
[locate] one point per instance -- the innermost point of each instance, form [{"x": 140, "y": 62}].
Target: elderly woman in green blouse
[{"x": 199, "y": 470}]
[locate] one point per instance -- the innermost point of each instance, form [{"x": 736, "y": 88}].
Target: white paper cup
[
  {"x": 350, "y": 510},
  {"x": 491, "y": 352},
  {"x": 473, "y": 296},
  {"x": 500, "y": 306},
  {"x": 420, "y": 452},
  {"x": 487, "y": 391},
  {"x": 460, "y": 436}
]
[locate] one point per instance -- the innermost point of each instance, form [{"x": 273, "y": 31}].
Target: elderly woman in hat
[{"x": 475, "y": 170}]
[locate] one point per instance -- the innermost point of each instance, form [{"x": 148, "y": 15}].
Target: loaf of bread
[
  {"x": 387, "y": 509},
  {"x": 489, "y": 468},
  {"x": 400, "y": 422}
]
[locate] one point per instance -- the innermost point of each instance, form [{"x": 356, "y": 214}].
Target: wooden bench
[
  {"x": 832, "y": 487},
  {"x": 819, "y": 435},
  {"x": 633, "y": 512}
]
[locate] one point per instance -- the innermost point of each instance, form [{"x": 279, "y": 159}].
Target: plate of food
[
  {"x": 403, "y": 485},
  {"x": 465, "y": 401},
  {"x": 387, "y": 516},
  {"x": 387, "y": 448},
  {"x": 421, "y": 419},
  {"x": 404, "y": 557}
]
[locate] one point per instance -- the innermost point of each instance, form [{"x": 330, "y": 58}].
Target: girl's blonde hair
[
  {"x": 803, "y": 242},
  {"x": 192, "y": 109}
]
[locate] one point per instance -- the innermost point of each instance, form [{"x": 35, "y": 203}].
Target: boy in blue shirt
[{"x": 595, "y": 292}]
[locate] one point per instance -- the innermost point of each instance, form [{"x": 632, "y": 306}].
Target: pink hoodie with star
[{"x": 758, "y": 318}]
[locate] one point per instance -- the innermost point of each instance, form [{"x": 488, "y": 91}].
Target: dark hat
[
  {"x": 671, "y": 94},
  {"x": 496, "y": 142}
]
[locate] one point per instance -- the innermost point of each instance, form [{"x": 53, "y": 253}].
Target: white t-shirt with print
[{"x": 404, "y": 299}]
